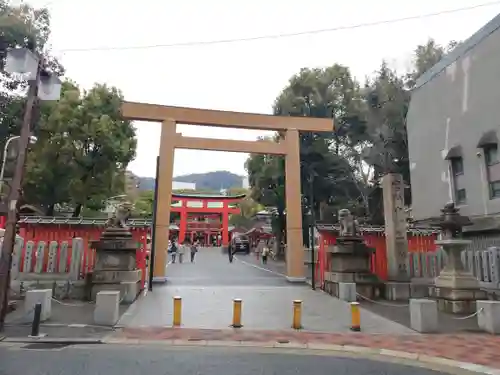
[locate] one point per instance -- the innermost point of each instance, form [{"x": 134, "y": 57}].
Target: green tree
[
  {"x": 103, "y": 146},
  {"x": 333, "y": 161},
  {"x": 143, "y": 206},
  {"x": 369, "y": 138},
  {"x": 83, "y": 147},
  {"x": 50, "y": 167},
  {"x": 22, "y": 26},
  {"x": 425, "y": 56},
  {"x": 387, "y": 96},
  {"x": 248, "y": 207},
  {"x": 266, "y": 174}
]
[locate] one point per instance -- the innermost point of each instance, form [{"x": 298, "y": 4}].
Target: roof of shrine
[
  {"x": 61, "y": 220},
  {"x": 413, "y": 230},
  {"x": 208, "y": 196}
]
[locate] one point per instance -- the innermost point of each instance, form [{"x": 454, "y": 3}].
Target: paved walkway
[
  {"x": 392, "y": 310},
  {"x": 472, "y": 348},
  {"x": 208, "y": 287},
  {"x": 68, "y": 319}
]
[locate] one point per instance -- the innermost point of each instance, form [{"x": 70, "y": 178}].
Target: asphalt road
[
  {"x": 212, "y": 268},
  {"x": 153, "y": 360}
]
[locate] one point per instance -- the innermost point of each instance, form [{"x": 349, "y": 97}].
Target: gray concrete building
[{"x": 453, "y": 131}]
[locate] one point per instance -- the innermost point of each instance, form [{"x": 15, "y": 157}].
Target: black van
[{"x": 240, "y": 244}]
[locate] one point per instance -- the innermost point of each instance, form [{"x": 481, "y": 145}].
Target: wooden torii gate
[{"x": 170, "y": 140}]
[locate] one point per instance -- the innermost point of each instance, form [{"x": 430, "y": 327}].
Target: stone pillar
[
  {"x": 395, "y": 228},
  {"x": 106, "y": 310},
  {"x": 294, "y": 248},
  {"x": 424, "y": 315},
  {"x": 164, "y": 201},
  {"x": 347, "y": 292},
  {"x": 488, "y": 318},
  {"x": 42, "y": 296}
]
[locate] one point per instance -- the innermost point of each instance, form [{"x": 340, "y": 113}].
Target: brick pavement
[{"x": 480, "y": 349}]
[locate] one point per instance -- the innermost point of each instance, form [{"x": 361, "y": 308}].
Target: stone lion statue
[
  {"x": 122, "y": 213},
  {"x": 348, "y": 224}
]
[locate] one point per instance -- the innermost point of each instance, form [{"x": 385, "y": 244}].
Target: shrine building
[{"x": 204, "y": 217}]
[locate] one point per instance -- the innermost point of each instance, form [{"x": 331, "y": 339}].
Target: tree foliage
[
  {"x": 341, "y": 169},
  {"x": 83, "y": 144},
  {"x": 143, "y": 205},
  {"x": 266, "y": 174},
  {"x": 83, "y": 147},
  {"x": 248, "y": 207}
]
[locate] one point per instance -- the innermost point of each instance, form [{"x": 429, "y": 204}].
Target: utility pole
[
  {"x": 45, "y": 86},
  {"x": 13, "y": 198}
]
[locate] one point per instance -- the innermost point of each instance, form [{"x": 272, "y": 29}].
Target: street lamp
[
  {"x": 6, "y": 154},
  {"x": 45, "y": 86}
]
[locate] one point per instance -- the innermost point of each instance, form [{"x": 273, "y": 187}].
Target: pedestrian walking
[
  {"x": 259, "y": 248},
  {"x": 265, "y": 254},
  {"x": 182, "y": 250},
  {"x": 230, "y": 252},
  {"x": 173, "y": 249},
  {"x": 194, "y": 250}
]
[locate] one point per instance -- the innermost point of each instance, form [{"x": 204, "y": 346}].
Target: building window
[
  {"x": 457, "y": 166},
  {"x": 491, "y": 155},
  {"x": 461, "y": 196},
  {"x": 457, "y": 171},
  {"x": 492, "y": 164},
  {"x": 495, "y": 189}
]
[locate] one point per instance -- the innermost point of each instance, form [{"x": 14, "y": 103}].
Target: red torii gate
[{"x": 205, "y": 205}]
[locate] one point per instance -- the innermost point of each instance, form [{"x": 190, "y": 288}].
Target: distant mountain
[
  {"x": 146, "y": 183},
  {"x": 204, "y": 181}
]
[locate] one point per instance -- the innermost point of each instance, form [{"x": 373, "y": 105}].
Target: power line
[{"x": 284, "y": 35}]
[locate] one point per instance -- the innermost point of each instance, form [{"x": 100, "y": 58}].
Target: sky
[{"x": 241, "y": 76}]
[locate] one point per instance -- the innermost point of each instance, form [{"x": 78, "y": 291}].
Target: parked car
[{"x": 240, "y": 244}]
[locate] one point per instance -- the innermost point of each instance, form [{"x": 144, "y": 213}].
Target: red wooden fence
[
  {"x": 419, "y": 240},
  {"x": 42, "y": 229},
  {"x": 65, "y": 229}
]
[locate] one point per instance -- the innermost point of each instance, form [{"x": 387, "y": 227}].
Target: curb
[
  {"x": 347, "y": 349},
  {"x": 54, "y": 340},
  {"x": 63, "y": 325}
]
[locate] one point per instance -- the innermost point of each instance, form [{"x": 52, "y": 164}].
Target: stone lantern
[
  {"x": 350, "y": 259},
  {"x": 456, "y": 289},
  {"x": 116, "y": 261}
]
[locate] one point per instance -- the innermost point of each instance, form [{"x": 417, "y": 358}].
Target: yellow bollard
[
  {"x": 297, "y": 314},
  {"x": 355, "y": 317},
  {"x": 237, "y": 313},
  {"x": 177, "y": 312}
]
